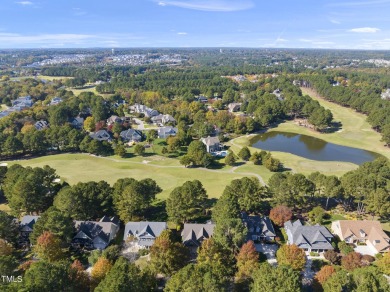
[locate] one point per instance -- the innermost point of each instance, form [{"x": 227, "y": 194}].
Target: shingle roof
[
  {"x": 209, "y": 141},
  {"x": 144, "y": 230},
  {"x": 193, "y": 234},
  {"x": 261, "y": 226},
  {"x": 93, "y": 229},
  {"x": 29, "y": 221},
  {"x": 317, "y": 237}
]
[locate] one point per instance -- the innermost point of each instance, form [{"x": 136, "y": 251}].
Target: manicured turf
[
  {"x": 354, "y": 132},
  {"x": 166, "y": 171},
  {"x": 4, "y": 207}
]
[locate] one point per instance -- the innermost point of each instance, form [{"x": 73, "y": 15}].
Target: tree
[
  {"x": 89, "y": 124},
  {"x": 9, "y": 229},
  {"x": 132, "y": 197},
  {"x": 120, "y": 150},
  {"x": 378, "y": 203},
  {"x": 369, "y": 279},
  {"x": 151, "y": 136},
  {"x": 384, "y": 263},
  {"x": 244, "y": 153},
  {"x": 48, "y": 247},
  {"x": 344, "y": 247},
  {"x": 100, "y": 270},
  {"x": 8, "y": 264},
  {"x": 273, "y": 164},
  {"x": 6, "y": 248},
  {"x": 340, "y": 281},
  {"x": 197, "y": 151},
  {"x": 125, "y": 276},
  {"x": 139, "y": 149},
  {"x": 247, "y": 261},
  {"x": 194, "y": 278},
  {"x": 186, "y": 202},
  {"x": 325, "y": 273},
  {"x": 30, "y": 189},
  {"x": 230, "y": 159},
  {"x": 165, "y": 151},
  {"x": 79, "y": 277},
  {"x": 85, "y": 201},
  {"x": 256, "y": 158},
  {"x": 280, "y": 215},
  {"x": 316, "y": 215},
  {"x": 281, "y": 278},
  {"x": 58, "y": 223},
  {"x": 248, "y": 192},
  {"x": 216, "y": 259},
  {"x": 167, "y": 256},
  {"x": 186, "y": 160},
  {"x": 351, "y": 261},
  {"x": 292, "y": 256},
  {"x": 230, "y": 234},
  {"x": 46, "y": 276},
  {"x": 331, "y": 256}
]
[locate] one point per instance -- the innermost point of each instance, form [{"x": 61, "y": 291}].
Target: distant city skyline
[{"x": 327, "y": 24}]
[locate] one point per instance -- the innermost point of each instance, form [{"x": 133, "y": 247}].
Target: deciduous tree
[
  {"x": 48, "y": 247},
  {"x": 292, "y": 256},
  {"x": 247, "y": 261},
  {"x": 280, "y": 215}
]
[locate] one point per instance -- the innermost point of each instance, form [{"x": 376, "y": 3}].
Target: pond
[{"x": 311, "y": 148}]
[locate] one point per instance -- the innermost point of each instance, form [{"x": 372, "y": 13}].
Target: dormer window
[
  {"x": 362, "y": 233},
  {"x": 376, "y": 241}
]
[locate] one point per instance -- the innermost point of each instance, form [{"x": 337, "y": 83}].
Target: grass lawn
[
  {"x": 354, "y": 132},
  {"x": 52, "y": 78},
  {"x": 167, "y": 172},
  {"x": 333, "y": 217},
  {"x": 3, "y": 107}
]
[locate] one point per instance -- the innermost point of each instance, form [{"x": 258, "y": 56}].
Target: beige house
[{"x": 367, "y": 231}]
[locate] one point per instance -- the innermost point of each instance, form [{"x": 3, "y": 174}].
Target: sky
[{"x": 342, "y": 24}]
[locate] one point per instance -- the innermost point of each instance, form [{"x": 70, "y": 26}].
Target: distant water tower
[{"x": 113, "y": 51}]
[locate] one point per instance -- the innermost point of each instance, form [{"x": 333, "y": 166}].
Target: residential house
[
  {"x": 114, "y": 119},
  {"x": 26, "y": 226},
  {"x": 202, "y": 98},
  {"x": 310, "y": 238},
  {"x": 101, "y": 135},
  {"x": 165, "y": 132},
  {"x": 95, "y": 234},
  {"x": 297, "y": 82},
  {"x": 259, "y": 228},
  {"x": 56, "y": 100},
  {"x": 41, "y": 125},
  {"x": 363, "y": 231},
  {"x": 131, "y": 135},
  {"x": 193, "y": 234},
  {"x": 234, "y": 107},
  {"x": 212, "y": 144},
  {"x": 143, "y": 109},
  {"x": 77, "y": 122},
  {"x": 278, "y": 93},
  {"x": 22, "y": 102},
  {"x": 163, "y": 119},
  {"x": 143, "y": 234}
]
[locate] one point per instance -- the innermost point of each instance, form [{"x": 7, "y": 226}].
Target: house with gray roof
[
  {"x": 41, "y": 125},
  {"x": 193, "y": 234},
  {"x": 259, "y": 228},
  {"x": 163, "y": 119},
  {"x": 315, "y": 238},
  {"x": 212, "y": 144},
  {"x": 131, "y": 135},
  {"x": 234, "y": 107},
  {"x": 143, "y": 233},
  {"x": 23, "y": 102},
  {"x": 101, "y": 135},
  {"x": 165, "y": 132},
  {"x": 26, "y": 226},
  {"x": 143, "y": 109},
  {"x": 56, "y": 100},
  {"x": 77, "y": 122},
  {"x": 95, "y": 234}
]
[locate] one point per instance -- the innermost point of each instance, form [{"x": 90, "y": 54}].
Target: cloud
[
  {"x": 280, "y": 40},
  {"x": 334, "y": 21},
  {"x": 365, "y": 30},
  {"x": 210, "y": 5},
  {"x": 24, "y": 3},
  {"x": 181, "y": 33}
]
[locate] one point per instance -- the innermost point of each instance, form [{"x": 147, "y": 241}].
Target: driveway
[
  {"x": 366, "y": 249},
  {"x": 269, "y": 250}
]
